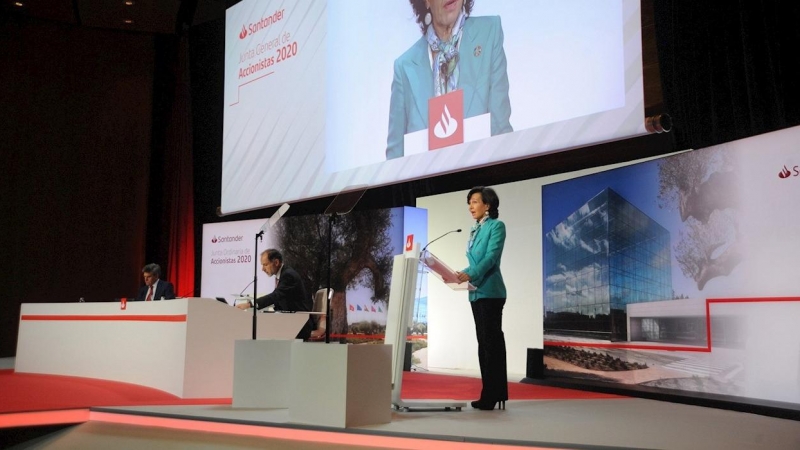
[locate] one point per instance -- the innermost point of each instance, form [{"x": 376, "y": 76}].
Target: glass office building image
[{"x": 603, "y": 256}]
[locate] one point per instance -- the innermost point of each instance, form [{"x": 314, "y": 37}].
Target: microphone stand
[
  {"x": 342, "y": 204},
  {"x": 245, "y": 288},
  {"x": 421, "y": 265},
  {"x": 255, "y": 283},
  {"x": 431, "y": 242},
  {"x": 328, "y": 291},
  {"x": 256, "y": 259}
]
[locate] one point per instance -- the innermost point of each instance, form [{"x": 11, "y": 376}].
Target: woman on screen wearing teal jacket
[
  {"x": 456, "y": 51},
  {"x": 484, "y": 250}
]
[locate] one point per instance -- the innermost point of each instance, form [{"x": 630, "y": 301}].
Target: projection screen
[{"x": 324, "y": 96}]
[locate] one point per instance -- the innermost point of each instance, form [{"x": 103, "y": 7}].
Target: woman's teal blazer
[
  {"x": 484, "y": 261},
  {"x": 482, "y": 76}
]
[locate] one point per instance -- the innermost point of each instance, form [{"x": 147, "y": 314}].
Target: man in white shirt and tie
[{"x": 155, "y": 288}]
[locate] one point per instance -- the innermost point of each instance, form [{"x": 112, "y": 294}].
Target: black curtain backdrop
[
  {"x": 97, "y": 151},
  {"x": 76, "y": 145},
  {"x": 170, "y": 237},
  {"x": 206, "y": 64},
  {"x": 729, "y": 69},
  {"x": 180, "y": 164}
]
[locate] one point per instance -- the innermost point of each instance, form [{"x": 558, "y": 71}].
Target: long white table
[{"x": 184, "y": 346}]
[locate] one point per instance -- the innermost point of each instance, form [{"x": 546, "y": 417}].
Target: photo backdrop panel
[
  {"x": 229, "y": 257},
  {"x": 451, "y": 336},
  {"x": 363, "y": 247},
  {"x": 678, "y": 272},
  {"x": 451, "y": 330}
]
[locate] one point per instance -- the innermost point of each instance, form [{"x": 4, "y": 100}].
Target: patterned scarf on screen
[{"x": 445, "y": 64}]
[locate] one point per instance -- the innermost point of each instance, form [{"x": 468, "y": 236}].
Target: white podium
[
  {"x": 339, "y": 385},
  {"x": 261, "y": 373},
  {"x": 398, "y": 320},
  {"x": 183, "y": 346}
]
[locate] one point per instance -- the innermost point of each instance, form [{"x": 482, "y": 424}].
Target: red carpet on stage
[{"x": 23, "y": 392}]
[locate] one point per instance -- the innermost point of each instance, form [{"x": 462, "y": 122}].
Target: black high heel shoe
[{"x": 486, "y": 405}]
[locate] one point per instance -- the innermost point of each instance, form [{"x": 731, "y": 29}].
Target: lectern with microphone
[{"x": 401, "y": 302}]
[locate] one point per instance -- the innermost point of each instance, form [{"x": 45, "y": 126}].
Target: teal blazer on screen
[
  {"x": 482, "y": 76},
  {"x": 484, "y": 261}
]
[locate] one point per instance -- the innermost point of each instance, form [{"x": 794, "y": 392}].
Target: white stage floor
[
  {"x": 615, "y": 423},
  {"x": 578, "y": 423}
]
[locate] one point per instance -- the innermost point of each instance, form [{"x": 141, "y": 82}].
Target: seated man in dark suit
[
  {"x": 289, "y": 294},
  {"x": 154, "y": 287}
]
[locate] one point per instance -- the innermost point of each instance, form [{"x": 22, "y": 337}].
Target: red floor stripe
[
  {"x": 38, "y": 418},
  {"x": 321, "y": 437}
]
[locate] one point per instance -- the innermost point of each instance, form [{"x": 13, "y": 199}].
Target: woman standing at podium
[{"x": 484, "y": 250}]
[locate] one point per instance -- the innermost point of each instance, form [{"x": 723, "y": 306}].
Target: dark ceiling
[
  {"x": 171, "y": 16},
  {"x": 145, "y": 16}
]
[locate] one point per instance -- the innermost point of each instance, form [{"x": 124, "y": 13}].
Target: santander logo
[
  {"x": 786, "y": 172},
  {"x": 223, "y": 239},
  {"x": 262, "y": 23},
  {"x": 446, "y": 120},
  {"x": 446, "y": 126}
]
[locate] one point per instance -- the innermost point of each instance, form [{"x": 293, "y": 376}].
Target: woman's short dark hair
[
  {"x": 489, "y": 197},
  {"x": 420, "y": 10}
]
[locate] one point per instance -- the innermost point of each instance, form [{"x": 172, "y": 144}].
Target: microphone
[
  {"x": 273, "y": 219},
  {"x": 431, "y": 242},
  {"x": 245, "y": 288}
]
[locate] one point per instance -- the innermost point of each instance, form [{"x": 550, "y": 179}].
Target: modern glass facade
[{"x": 605, "y": 255}]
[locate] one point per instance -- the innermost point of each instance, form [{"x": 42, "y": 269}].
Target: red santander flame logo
[
  {"x": 243, "y": 34},
  {"x": 444, "y": 114},
  {"x": 446, "y": 126},
  {"x": 787, "y": 172},
  {"x": 214, "y": 240}
]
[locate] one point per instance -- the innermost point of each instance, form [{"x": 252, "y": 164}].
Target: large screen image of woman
[{"x": 322, "y": 96}]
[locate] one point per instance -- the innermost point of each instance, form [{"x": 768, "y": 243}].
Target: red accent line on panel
[
  {"x": 239, "y": 88},
  {"x": 709, "y": 301},
  {"x": 118, "y": 318},
  {"x": 753, "y": 300},
  {"x": 708, "y": 324}
]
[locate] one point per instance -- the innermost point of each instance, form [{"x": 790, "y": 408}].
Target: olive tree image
[
  {"x": 702, "y": 186},
  {"x": 361, "y": 255}
]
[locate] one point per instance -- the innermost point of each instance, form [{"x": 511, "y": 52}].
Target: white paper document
[{"x": 448, "y": 276}]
